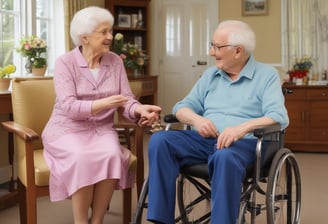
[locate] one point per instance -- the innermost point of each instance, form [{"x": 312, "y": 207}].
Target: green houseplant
[
  {"x": 133, "y": 57},
  {"x": 34, "y": 49}
]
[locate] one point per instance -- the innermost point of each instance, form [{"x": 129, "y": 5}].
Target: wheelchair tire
[
  {"x": 283, "y": 198},
  {"x": 142, "y": 204},
  {"x": 193, "y": 195}
]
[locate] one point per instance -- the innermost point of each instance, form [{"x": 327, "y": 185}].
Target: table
[{"x": 6, "y": 108}]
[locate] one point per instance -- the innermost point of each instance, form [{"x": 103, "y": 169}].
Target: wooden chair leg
[
  {"x": 127, "y": 204},
  {"x": 27, "y": 204},
  {"x": 22, "y": 202}
]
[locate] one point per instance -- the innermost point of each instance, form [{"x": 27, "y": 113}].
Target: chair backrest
[{"x": 32, "y": 102}]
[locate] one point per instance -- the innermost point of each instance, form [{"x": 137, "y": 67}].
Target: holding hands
[{"x": 148, "y": 114}]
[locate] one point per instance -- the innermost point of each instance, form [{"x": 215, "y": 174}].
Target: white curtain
[{"x": 306, "y": 33}]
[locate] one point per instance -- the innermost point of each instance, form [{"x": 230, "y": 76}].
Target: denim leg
[
  {"x": 168, "y": 151},
  {"x": 227, "y": 170}
]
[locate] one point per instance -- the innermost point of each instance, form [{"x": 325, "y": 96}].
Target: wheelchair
[{"x": 271, "y": 190}]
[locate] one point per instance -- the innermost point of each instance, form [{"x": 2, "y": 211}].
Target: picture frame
[
  {"x": 124, "y": 20},
  {"x": 254, "y": 7}
]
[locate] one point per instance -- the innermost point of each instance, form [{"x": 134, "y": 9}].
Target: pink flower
[{"x": 27, "y": 46}]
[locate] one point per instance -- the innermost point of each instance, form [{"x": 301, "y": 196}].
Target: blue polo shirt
[{"x": 256, "y": 93}]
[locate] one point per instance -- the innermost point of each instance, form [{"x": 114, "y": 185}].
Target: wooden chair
[{"x": 32, "y": 102}]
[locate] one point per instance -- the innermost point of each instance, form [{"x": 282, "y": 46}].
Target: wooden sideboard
[
  {"x": 149, "y": 88},
  {"x": 308, "y": 116}
]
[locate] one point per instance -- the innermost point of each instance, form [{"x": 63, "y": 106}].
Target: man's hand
[
  {"x": 229, "y": 136},
  {"x": 205, "y": 127}
]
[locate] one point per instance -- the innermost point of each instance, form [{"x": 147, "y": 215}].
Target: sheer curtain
[{"x": 306, "y": 33}]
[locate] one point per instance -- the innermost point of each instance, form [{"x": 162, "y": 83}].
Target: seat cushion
[{"x": 42, "y": 171}]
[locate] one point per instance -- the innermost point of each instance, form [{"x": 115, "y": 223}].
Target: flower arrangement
[
  {"x": 33, "y": 48},
  {"x": 133, "y": 57},
  {"x": 7, "y": 70},
  {"x": 300, "y": 68}
]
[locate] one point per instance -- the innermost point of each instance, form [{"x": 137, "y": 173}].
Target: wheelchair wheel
[
  {"x": 142, "y": 204},
  {"x": 193, "y": 195},
  {"x": 283, "y": 198}
]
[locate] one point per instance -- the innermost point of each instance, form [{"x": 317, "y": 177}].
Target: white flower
[{"x": 118, "y": 36}]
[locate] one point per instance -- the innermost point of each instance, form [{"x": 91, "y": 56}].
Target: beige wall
[
  {"x": 267, "y": 28},
  {"x": 100, "y": 3}
]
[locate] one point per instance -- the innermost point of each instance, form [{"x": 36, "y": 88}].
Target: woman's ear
[{"x": 84, "y": 39}]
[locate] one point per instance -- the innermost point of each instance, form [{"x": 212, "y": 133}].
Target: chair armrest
[
  {"x": 267, "y": 130},
  {"x": 259, "y": 132},
  {"x": 21, "y": 131},
  {"x": 170, "y": 118}
]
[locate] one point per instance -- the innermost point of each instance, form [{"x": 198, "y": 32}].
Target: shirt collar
[{"x": 247, "y": 71}]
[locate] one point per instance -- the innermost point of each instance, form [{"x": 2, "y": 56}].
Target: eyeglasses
[
  {"x": 217, "y": 47},
  {"x": 104, "y": 32}
]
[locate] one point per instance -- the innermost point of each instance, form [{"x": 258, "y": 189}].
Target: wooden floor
[{"x": 313, "y": 166}]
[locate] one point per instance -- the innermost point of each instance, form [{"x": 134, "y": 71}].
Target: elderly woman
[{"x": 82, "y": 148}]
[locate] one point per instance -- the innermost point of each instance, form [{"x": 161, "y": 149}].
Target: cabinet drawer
[
  {"x": 147, "y": 87},
  {"x": 295, "y": 134},
  {"x": 317, "y": 94},
  {"x": 319, "y": 134},
  {"x": 297, "y": 94}
]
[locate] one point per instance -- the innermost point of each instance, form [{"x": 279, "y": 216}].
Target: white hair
[
  {"x": 239, "y": 33},
  {"x": 87, "y": 20}
]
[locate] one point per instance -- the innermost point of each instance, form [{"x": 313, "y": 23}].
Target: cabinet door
[
  {"x": 318, "y": 123},
  {"x": 298, "y": 116}
]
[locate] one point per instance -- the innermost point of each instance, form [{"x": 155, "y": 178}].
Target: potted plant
[
  {"x": 5, "y": 76},
  {"x": 34, "y": 49},
  {"x": 300, "y": 69},
  {"x": 133, "y": 57}
]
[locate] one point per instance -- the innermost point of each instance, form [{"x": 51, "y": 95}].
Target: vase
[
  {"x": 299, "y": 81},
  {"x": 28, "y": 66},
  {"x": 4, "y": 84},
  {"x": 39, "y": 71}
]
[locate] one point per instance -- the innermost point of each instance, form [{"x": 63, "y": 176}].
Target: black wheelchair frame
[{"x": 275, "y": 176}]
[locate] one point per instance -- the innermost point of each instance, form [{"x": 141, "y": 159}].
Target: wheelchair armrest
[
  {"x": 170, "y": 118},
  {"x": 267, "y": 130},
  {"x": 259, "y": 132}
]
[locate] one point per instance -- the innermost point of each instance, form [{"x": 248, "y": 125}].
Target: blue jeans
[{"x": 168, "y": 151}]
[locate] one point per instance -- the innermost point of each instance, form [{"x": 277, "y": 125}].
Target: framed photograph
[
  {"x": 124, "y": 20},
  {"x": 254, "y": 7}
]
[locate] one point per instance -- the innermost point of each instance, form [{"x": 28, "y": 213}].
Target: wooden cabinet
[
  {"x": 308, "y": 114},
  {"x": 132, "y": 20},
  {"x": 148, "y": 86}
]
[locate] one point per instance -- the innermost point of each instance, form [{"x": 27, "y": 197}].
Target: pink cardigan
[{"x": 76, "y": 88}]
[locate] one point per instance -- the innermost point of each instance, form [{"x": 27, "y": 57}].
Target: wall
[
  {"x": 100, "y": 3},
  {"x": 267, "y": 28}
]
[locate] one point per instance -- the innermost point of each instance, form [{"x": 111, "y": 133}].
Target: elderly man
[{"x": 230, "y": 100}]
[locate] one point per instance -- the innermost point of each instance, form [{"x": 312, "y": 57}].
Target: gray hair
[
  {"x": 239, "y": 33},
  {"x": 87, "y": 20}
]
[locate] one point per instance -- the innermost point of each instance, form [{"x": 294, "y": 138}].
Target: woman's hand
[{"x": 148, "y": 114}]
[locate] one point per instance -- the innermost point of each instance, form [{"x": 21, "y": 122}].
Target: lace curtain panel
[{"x": 306, "y": 33}]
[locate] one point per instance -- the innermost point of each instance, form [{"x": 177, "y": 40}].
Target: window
[
  {"x": 306, "y": 33},
  {"x": 43, "y": 18}
]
